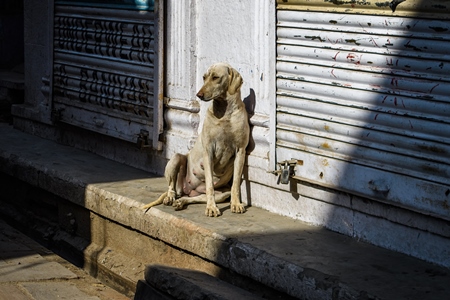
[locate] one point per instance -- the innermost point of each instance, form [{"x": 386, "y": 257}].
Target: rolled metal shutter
[
  {"x": 107, "y": 69},
  {"x": 364, "y": 102}
]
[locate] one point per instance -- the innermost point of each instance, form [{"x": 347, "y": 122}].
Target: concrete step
[
  {"x": 256, "y": 251},
  {"x": 176, "y": 283}
]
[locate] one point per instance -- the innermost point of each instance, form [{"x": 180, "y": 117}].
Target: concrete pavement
[{"x": 29, "y": 271}]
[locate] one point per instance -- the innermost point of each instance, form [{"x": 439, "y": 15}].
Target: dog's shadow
[{"x": 250, "y": 103}]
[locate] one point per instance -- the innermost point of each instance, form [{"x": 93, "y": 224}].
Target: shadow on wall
[{"x": 11, "y": 33}]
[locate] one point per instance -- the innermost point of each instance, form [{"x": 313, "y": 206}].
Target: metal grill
[{"x": 106, "y": 71}]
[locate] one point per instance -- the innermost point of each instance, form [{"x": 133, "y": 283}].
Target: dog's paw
[
  {"x": 170, "y": 198},
  {"x": 237, "y": 208},
  {"x": 212, "y": 211},
  {"x": 179, "y": 204}
]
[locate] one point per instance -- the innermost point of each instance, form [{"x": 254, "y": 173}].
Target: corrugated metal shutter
[
  {"x": 107, "y": 70},
  {"x": 364, "y": 101}
]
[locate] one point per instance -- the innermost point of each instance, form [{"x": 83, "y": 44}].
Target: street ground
[{"x": 30, "y": 271}]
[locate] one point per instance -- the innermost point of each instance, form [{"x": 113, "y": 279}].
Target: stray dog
[{"x": 203, "y": 175}]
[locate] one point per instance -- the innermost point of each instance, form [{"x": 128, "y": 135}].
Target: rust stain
[
  {"x": 438, "y": 29},
  {"x": 315, "y": 38},
  {"x": 325, "y": 146},
  {"x": 354, "y": 58},
  {"x": 335, "y": 42},
  {"x": 430, "y": 169},
  {"x": 445, "y": 205},
  {"x": 432, "y": 149},
  {"x": 326, "y": 127},
  {"x": 353, "y": 41},
  {"x": 408, "y": 45},
  {"x": 336, "y": 55},
  {"x": 374, "y": 42},
  {"x": 325, "y": 162},
  {"x": 332, "y": 73}
]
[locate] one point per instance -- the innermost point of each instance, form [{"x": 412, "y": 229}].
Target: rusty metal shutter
[
  {"x": 107, "y": 70},
  {"x": 364, "y": 101}
]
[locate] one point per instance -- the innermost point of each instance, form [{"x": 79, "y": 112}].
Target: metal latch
[
  {"x": 143, "y": 140},
  {"x": 287, "y": 170}
]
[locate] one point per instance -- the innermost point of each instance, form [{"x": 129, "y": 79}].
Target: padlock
[{"x": 285, "y": 173}]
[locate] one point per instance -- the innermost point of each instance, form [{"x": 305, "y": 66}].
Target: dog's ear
[{"x": 235, "y": 81}]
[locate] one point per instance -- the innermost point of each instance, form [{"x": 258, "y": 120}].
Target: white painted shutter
[
  {"x": 107, "y": 71},
  {"x": 364, "y": 101}
]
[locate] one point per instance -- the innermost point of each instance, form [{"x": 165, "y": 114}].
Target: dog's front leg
[
  {"x": 236, "y": 205},
  {"x": 211, "y": 207}
]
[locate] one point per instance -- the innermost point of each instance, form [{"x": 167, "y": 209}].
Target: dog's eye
[
  {"x": 204, "y": 77},
  {"x": 215, "y": 77}
]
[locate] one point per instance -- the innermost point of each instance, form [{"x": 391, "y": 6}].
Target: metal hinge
[
  {"x": 143, "y": 139},
  {"x": 287, "y": 170}
]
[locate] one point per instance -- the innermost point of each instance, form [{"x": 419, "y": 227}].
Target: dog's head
[{"x": 220, "y": 79}]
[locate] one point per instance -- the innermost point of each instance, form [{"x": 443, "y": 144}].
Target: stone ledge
[{"x": 284, "y": 254}]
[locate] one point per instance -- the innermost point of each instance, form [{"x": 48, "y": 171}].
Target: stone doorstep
[{"x": 284, "y": 254}]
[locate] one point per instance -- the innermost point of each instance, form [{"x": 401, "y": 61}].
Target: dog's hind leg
[
  {"x": 182, "y": 202},
  {"x": 175, "y": 174}
]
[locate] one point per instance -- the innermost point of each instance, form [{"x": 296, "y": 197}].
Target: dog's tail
[{"x": 154, "y": 203}]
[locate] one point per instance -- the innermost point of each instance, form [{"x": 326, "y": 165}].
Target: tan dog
[{"x": 218, "y": 155}]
